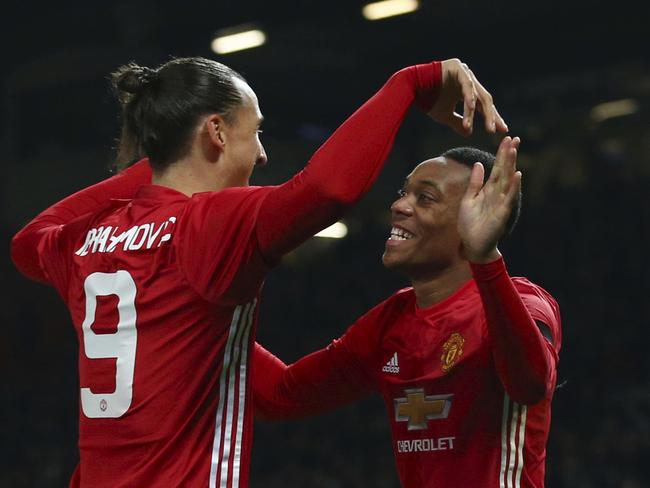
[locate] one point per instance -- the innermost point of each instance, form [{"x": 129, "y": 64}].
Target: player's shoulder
[
  {"x": 226, "y": 203},
  {"x": 78, "y": 227},
  {"x": 398, "y": 298},
  {"x": 540, "y": 303},
  {"x": 401, "y": 296},
  {"x": 366, "y": 333},
  {"x": 234, "y": 194},
  {"x": 57, "y": 248},
  {"x": 525, "y": 287},
  {"x": 394, "y": 304}
]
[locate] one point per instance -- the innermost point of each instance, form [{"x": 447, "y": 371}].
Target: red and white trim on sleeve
[
  {"x": 232, "y": 387},
  {"x": 513, "y": 435}
]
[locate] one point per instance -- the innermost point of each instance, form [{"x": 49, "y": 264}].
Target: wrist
[
  {"x": 428, "y": 82},
  {"x": 484, "y": 257},
  {"x": 488, "y": 271}
]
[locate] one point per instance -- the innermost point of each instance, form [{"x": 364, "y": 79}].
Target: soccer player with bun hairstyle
[
  {"x": 161, "y": 266},
  {"x": 466, "y": 358}
]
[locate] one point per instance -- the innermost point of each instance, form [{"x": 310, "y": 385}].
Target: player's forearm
[
  {"x": 346, "y": 165},
  {"x": 269, "y": 387},
  {"x": 311, "y": 385},
  {"x": 24, "y": 245},
  {"x": 521, "y": 354}
]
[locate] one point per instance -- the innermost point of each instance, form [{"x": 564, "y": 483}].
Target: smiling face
[{"x": 424, "y": 238}]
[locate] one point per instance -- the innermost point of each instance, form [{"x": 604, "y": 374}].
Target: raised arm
[
  {"x": 525, "y": 360},
  {"x": 24, "y": 245},
  {"x": 346, "y": 166}
]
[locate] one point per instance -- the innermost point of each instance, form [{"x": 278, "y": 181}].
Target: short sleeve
[{"x": 216, "y": 243}]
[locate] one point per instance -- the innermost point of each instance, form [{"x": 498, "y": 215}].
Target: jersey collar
[{"x": 158, "y": 192}]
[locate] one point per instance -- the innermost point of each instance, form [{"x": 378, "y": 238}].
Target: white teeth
[{"x": 400, "y": 234}]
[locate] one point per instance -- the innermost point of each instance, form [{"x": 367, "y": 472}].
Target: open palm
[{"x": 485, "y": 208}]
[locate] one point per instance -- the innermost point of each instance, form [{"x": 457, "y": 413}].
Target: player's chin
[{"x": 391, "y": 259}]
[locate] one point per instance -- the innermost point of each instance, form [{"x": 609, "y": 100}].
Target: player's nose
[
  {"x": 401, "y": 206},
  {"x": 262, "y": 158}
]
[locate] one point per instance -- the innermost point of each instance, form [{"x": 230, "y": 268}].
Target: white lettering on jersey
[
  {"x": 107, "y": 239},
  {"x": 102, "y": 237},
  {"x": 122, "y": 237},
  {"x": 140, "y": 233},
  {"x": 426, "y": 445}
]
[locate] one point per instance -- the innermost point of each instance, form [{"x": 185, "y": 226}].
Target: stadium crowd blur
[{"x": 584, "y": 233}]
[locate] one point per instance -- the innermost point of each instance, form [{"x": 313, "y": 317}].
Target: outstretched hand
[
  {"x": 460, "y": 85},
  {"x": 485, "y": 208}
]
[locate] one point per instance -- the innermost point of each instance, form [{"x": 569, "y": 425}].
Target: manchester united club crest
[{"x": 452, "y": 350}]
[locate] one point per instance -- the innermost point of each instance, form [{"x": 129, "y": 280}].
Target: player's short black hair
[
  {"x": 468, "y": 156},
  {"x": 161, "y": 106}
]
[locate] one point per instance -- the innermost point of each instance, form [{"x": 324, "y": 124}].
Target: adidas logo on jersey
[{"x": 391, "y": 366}]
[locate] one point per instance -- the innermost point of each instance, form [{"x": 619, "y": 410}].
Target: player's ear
[{"x": 215, "y": 128}]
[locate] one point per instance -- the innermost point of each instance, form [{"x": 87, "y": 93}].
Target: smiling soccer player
[{"x": 466, "y": 358}]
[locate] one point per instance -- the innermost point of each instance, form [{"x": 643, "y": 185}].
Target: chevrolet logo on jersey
[{"x": 417, "y": 409}]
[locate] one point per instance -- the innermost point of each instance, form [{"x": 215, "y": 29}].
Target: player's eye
[
  {"x": 401, "y": 192},
  {"x": 426, "y": 197}
]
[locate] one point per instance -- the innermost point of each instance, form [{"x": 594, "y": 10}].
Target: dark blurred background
[{"x": 584, "y": 232}]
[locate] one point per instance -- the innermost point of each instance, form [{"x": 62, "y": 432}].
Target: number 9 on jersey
[{"x": 120, "y": 345}]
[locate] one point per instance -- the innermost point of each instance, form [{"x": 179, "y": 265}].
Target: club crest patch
[{"x": 452, "y": 350}]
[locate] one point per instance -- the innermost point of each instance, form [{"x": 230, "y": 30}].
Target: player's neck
[
  {"x": 189, "y": 177},
  {"x": 436, "y": 288}
]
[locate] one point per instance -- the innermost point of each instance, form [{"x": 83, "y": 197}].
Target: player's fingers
[
  {"x": 469, "y": 96},
  {"x": 510, "y": 163},
  {"x": 500, "y": 123},
  {"x": 507, "y": 169},
  {"x": 499, "y": 161},
  {"x": 475, "y": 180},
  {"x": 515, "y": 188},
  {"x": 485, "y": 103},
  {"x": 493, "y": 120},
  {"x": 468, "y": 119}
]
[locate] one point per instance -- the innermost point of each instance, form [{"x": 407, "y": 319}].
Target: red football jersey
[
  {"x": 163, "y": 292},
  {"x": 452, "y": 422},
  {"x": 163, "y": 365}
]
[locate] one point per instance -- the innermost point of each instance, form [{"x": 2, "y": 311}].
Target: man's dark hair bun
[{"x": 132, "y": 78}]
